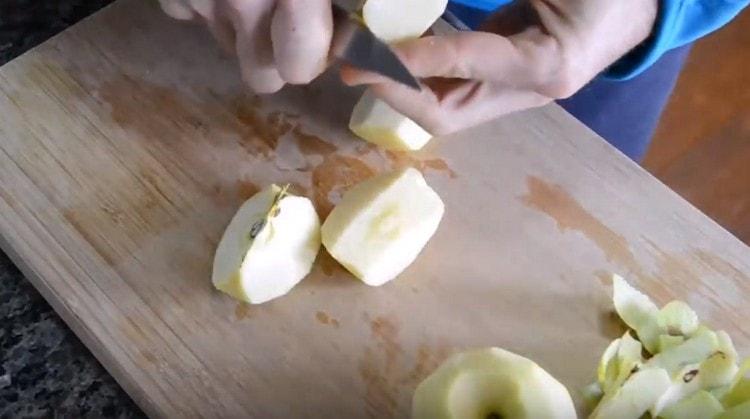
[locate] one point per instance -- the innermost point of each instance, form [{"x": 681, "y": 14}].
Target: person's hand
[
  {"x": 276, "y": 41},
  {"x": 528, "y": 55}
]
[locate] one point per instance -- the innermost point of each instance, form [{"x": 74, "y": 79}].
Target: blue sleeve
[{"x": 679, "y": 22}]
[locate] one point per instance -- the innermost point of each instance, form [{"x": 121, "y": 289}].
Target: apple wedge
[
  {"x": 399, "y": 20},
  {"x": 268, "y": 247},
  {"x": 382, "y": 224},
  {"x": 637, "y": 311},
  {"x": 741, "y": 411},
  {"x": 700, "y": 405},
  {"x": 491, "y": 382},
  {"x": 377, "y": 122},
  {"x": 739, "y": 392},
  {"x": 635, "y": 396}
]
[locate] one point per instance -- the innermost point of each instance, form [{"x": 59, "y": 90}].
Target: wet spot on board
[
  {"x": 569, "y": 214},
  {"x": 335, "y": 176}
]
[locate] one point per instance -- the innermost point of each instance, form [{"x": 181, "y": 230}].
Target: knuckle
[{"x": 557, "y": 76}]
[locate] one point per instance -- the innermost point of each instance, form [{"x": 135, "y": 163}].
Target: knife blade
[{"x": 356, "y": 45}]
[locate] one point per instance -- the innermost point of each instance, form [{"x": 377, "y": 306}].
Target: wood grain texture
[{"x": 127, "y": 143}]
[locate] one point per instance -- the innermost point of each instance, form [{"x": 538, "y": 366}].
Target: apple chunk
[
  {"x": 268, "y": 247},
  {"x": 377, "y": 122},
  {"x": 382, "y": 224},
  {"x": 491, "y": 382},
  {"x": 400, "y": 20}
]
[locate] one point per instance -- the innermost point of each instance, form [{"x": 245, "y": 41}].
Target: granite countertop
[{"x": 45, "y": 371}]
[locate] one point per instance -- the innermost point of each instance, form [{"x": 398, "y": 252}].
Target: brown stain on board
[
  {"x": 401, "y": 159},
  {"x": 324, "y": 318},
  {"x": 386, "y": 333},
  {"x": 428, "y": 359},
  {"x": 309, "y": 144},
  {"x": 559, "y": 205},
  {"x": 386, "y": 370},
  {"x": 335, "y": 176},
  {"x": 380, "y": 392},
  {"x": 328, "y": 265},
  {"x": 246, "y": 189},
  {"x": 243, "y": 311}
]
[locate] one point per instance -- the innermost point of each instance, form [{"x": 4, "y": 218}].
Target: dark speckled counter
[{"x": 45, "y": 371}]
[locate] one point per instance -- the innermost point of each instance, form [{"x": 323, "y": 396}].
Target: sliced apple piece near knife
[
  {"x": 268, "y": 247},
  {"x": 393, "y": 21}
]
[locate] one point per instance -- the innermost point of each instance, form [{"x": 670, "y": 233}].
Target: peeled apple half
[
  {"x": 393, "y": 21},
  {"x": 381, "y": 225},
  {"x": 488, "y": 383},
  {"x": 268, "y": 247}
]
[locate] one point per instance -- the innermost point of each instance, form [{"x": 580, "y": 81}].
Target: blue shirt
[{"x": 679, "y": 22}]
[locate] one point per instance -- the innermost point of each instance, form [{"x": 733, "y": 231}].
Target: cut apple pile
[
  {"x": 676, "y": 368},
  {"x": 393, "y": 21},
  {"x": 376, "y": 232}
]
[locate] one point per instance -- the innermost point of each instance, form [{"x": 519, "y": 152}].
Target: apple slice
[
  {"x": 629, "y": 359},
  {"x": 377, "y": 122},
  {"x": 700, "y": 405},
  {"x": 491, "y": 382},
  {"x": 592, "y": 394},
  {"x": 635, "y": 397},
  {"x": 726, "y": 345},
  {"x": 692, "y": 351},
  {"x": 739, "y": 392},
  {"x": 268, "y": 247},
  {"x": 741, "y": 411},
  {"x": 637, "y": 311},
  {"x": 666, "y": 341},
  {"x": 382, "y": 224},
  {"x": 678, "y": 319},
  {"x": 684, "y": 383},
  {"x": 400, "y": 20},
  {"x": 607, "y": 371}
]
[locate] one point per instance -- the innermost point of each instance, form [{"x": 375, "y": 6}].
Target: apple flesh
[
  {"x": 637, "y": 311},
  {"x": 491, "y": 382},
  {"x": 739, "y": 392},
  {"x": 635, "y": 397},
  {"x": 372, "y": 119},
  {"x": 700, "y": 405},
  {"x": 377, "y": 122},
  {"x": 399, "y": 20},
  {"x": 741, "y": 411},
  {"x": 268, "y": 247},
  {"x": 382, "y": 224}
]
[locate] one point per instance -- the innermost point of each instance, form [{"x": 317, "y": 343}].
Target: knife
[{"x": 356, "y": 45}]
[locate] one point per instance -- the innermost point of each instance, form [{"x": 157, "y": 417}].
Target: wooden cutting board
[{"x": 127, "y": 143}]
